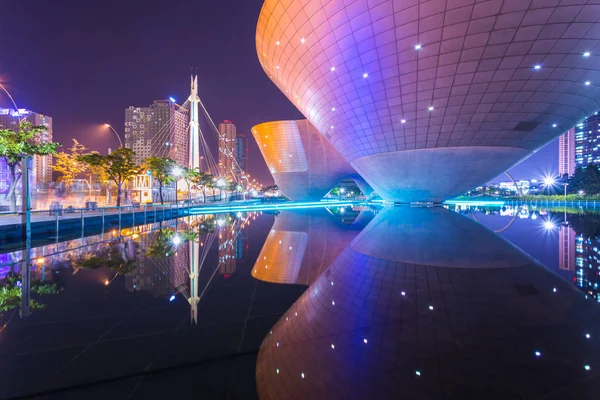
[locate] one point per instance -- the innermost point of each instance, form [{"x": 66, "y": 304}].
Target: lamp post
[
  {"x": 176, "y": 174},
  {"x": 565, "y": 185},
  {"x": 220, "y": 184},
  {"x": 113, "y": 129}
]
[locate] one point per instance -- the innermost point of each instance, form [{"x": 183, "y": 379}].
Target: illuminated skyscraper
[
  {"x": 227, "y": 148},
  {"x": 241, "y": 149},
  {"x": 587, "y": 140},
  {"x": 566, "y": 153},
  {"x": 9, "y": 119},
  {"x": 160, "y": 130}
]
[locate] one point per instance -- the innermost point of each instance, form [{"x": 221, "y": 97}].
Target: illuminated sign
[{"x": 142, "y": 182}]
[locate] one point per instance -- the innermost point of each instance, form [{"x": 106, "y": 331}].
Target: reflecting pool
[{"x": 346, "y": 302}]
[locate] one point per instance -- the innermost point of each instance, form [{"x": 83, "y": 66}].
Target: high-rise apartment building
[
  {"x": 9, "y": 119},
  {"x": 587, "y": 141},
  {"x": 566, "y": 153},
  {"x": 159, "y": 130},
  {"x": 227, "y": 148},
  {"x": 241, "y": 150}
]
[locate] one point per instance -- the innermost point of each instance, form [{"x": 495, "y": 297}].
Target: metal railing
[
  {"x": 60, "y": 216},
  {"x": 555, "y": 203}
]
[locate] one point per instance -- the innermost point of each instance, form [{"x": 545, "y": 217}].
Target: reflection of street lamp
[
  {"x": 113, "y": 129},
  {"x": 176, "y": 173}
]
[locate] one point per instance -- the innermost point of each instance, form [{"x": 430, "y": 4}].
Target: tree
[
  {"x": 68, "y": 164},
  {"x": 586, "y": 179},
  {"x": 118, "y": 165},
  {"x": 190, "y": 175},
  {"x": 204, "y": 180},
  {"x": 161, "y": 169},
  {"x": 15, "y": 147}
]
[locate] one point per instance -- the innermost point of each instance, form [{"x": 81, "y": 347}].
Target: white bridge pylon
[{"x": 194, "y": 145}]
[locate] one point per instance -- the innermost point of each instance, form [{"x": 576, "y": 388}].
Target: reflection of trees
[
  {"x": 121, "y": 256},
  {"x": 163, "y": 244},
  {"x": 587, "y": 225},
  {"x": 11, "y": 292}
]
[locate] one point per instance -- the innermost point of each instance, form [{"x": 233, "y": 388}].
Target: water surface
[{"x": 345, "y": 302}]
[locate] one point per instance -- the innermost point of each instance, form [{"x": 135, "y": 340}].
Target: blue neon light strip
[
  {"x": 475, "y": 203},
  {"x": 269, "y": 207}
]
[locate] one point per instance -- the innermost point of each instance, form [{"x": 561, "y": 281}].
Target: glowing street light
[
  {"x": 176, "y": 173},
  {"x": 113, "y": 129}
]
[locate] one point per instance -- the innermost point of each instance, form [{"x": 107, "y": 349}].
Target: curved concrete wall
[
  {"x": 380, "y": 79},
  {"x": 304, "y": 165}
]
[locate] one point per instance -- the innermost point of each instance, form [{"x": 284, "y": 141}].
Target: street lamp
[
  {"x": 113, "y": 129},
  {"x": 220, "y": 184},
  {"x": 176, "y": 173}
]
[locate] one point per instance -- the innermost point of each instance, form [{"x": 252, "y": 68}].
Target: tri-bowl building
[
  {"x": 303, "y": 163},
  {"x": 428, "y": 99}
]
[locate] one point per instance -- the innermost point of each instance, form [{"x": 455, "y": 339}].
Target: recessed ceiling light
[
  {"x": 403, "y": 121},
  {"x": 332, "y": 69},
  {"x": 277, "y": 43},
  {"x": 537, "y": 67},
  {"x": 418, "y": 47},
  {"x": 302, "y": 40},
  {"x": 365, "y": 75},
  {"x": 554, "y": 125},
  {"x": 430, "y": 108},
  {"x": 586, "y": 54},
  {"x": 587, "y": 83}
]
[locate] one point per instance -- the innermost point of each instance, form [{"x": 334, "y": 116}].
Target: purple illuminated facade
[
  {"x": 304, "y": 165},
  {"x": 429, "y": 99}
]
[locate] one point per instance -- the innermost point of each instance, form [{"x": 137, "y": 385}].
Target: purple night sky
[{"x": 84, "y": 62}]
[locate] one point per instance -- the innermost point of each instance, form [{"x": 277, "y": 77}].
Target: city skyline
[{"x": 235, "y": 88}]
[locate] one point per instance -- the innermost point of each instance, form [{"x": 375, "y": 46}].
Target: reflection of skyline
[
  {"x": 587, "y": 265},
  {"x": 566, "y": 248},
  {"x": 419, "y": 319},
  {"x": 575, "y": 238}
]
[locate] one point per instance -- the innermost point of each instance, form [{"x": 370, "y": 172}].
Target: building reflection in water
[
  {"x": 162, "y": 259},
  {"x": 303, "y": 243},
  {"x": 429, "y": 304}
]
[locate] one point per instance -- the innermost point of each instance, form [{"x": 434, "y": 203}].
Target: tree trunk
[
  {"x": 119, "y": 194},
  {"x": 160, "y": 192},
  {"x": 204, "y": 193},
  {"x": 12, "y": 189}
]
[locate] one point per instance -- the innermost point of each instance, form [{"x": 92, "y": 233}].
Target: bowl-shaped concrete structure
[
  {"x": 303, "y": 163},
  {"x": 429, "y": 99}
]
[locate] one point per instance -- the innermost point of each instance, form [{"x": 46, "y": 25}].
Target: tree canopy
[
  {"x": 586, "y": 179},
  {"x": 161, "y": 168},
  {"x": 69, "y": 165},
  {"x": 118, "y": 165},
  {"x": 16, "y": 146}
]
